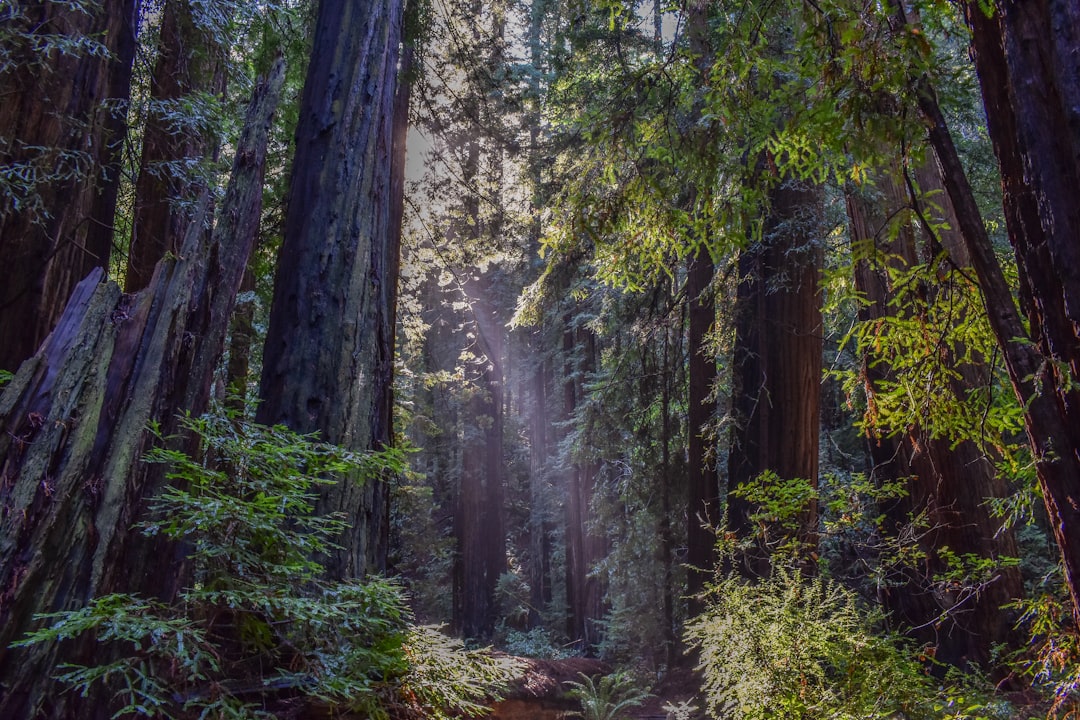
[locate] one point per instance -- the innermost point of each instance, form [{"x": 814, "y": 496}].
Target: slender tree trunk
[
  {"x": 190, "y": 60},
  {"x": 539, "y": 524},
  {"x": 480, "y": 519},
  {"x": 666, "y": 531},
  {"x": 704, "y": 509},
  {"x": 241, "y": 339},
  {"x": 62, "y": 119},
  {"x": 330, "y": 345},
  {"x": 75, "y": 427},
  {"x": 584, "y": 591}
]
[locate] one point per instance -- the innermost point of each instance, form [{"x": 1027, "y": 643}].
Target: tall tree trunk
[
  {"x": 62, "y": 122},
  {"x": 539, "y": 523},
  {"x": 329, "y": 352},
  {"x": 948, "y": 483},
  {"x": 584, "y": 591},
  {"x": 75, "y": 427},
  {"x": 777, "y": 365},
  {"x": 241, "y": 338},
  {"x": 1025, "y": 56},
  {"x": 190, "y": 60},
  {"x": 666, "y": 530},
  {"x": 704, "y": 508},
  {"x": 480, "y": 522}
]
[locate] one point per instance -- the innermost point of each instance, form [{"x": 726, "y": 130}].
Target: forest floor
[{"x": 540, "y": 693}]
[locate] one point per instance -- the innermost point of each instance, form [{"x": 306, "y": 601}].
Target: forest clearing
[{"x": 540, "y": 359}]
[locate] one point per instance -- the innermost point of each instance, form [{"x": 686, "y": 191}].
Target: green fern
[{"x": 606, "y": 699}]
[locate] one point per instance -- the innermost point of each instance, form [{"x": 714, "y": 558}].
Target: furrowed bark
[
  {"x": 75, "y": 422},
  {"x": 63, "y": 120},
  {"x": 330, "y": 344}
]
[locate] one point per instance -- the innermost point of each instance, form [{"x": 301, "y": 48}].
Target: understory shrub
[
  {"x": 795, "y": 648},
  {"x": 258, "y": 628}
]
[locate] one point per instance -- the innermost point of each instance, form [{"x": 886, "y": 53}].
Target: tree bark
[
  {"x": 1026, "y": 61},
  {"x": 75, "y": 422},
  {"x": 329, "y": 349},
  {"x": 63, "y": 121},
  {"x": 190, "y": 60},
  {"x": 704, "y": 509},
  {"x": 947, "y": 483},
  {"x": 777, "y": 366}
]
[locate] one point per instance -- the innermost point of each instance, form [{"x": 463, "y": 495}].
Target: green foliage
[
  {"x": 777, "y": 510},
  {"x": 5, "y": 378},
  {"x": 259, "y": 619},
  {"x": 446, "y": 680},
  {"x": 1052, "y": 661},
  {"x": 608, "y": 698},
  {"x": 928, "y": 341},
  {"x": 683, "y": 710},
  {"x": 537, "y": 642},
  {"x": 803, "y": 648}
]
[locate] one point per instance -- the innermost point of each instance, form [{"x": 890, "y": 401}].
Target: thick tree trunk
[
  {"x": 190, "y": 59},
  {"x": 777, "y": 366},
  {"x": 75, "y": 424},
  {"x": 948, "y": 484},
  {"x": 62, "y": 123},
  {"x": 1025, "y": 56},
  {"x": 329, "y": 349}
]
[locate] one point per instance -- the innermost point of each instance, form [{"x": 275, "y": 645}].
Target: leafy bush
[
  {"x": 259, "y": 625},
  {"x": 537, "y": 642},
  {"x": 794, "y": 648},
  {"x": 1052, "y": 661},
  {"x": 446, "y": 680}
]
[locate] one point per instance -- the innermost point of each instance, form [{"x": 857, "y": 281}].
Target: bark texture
[
  {"x": 328, "y": 359},
  {"x": 947, "y": 484},
  {"x": 62, "y": 125},
  {"x": 704, "y": 509},
  {"x": 75, "y": 420},
  {"x": 777, "y": 366},
  {"x": 190, "y": 60},
  {"x": 1028, "y": 65}
]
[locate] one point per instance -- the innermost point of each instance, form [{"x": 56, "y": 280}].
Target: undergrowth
[
  {"x": 795, "y": 648},
  {"x": 259, "y": 627}
]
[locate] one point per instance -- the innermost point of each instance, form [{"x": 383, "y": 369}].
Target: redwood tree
[
  {"x": 328, "y": 359},
  {"x": 75, "y": 429},
  {"x": 949, "y": 480},
  {"x": 190, "y": 61},
  {"x": 1026, "y": 57},
  {"x": 777, "y": 367},
  {"x": 61, "y": 130}
]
